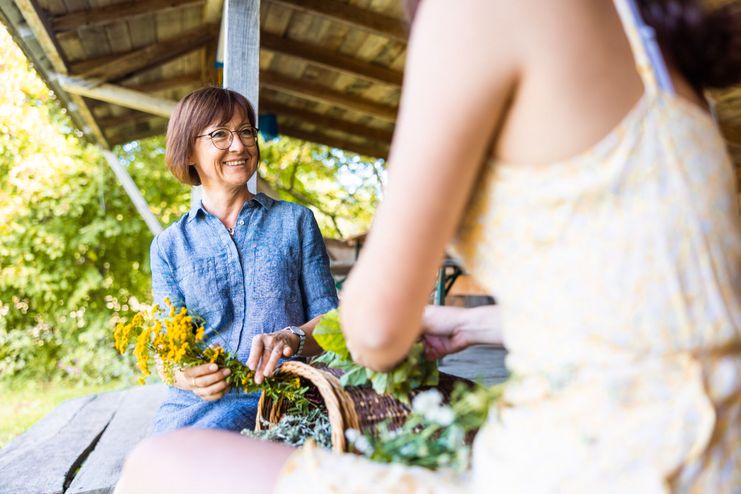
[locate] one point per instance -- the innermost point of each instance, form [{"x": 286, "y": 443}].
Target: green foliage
[
  {"x": 411, "y": 373},
  {"x": 434, "y": 435},
  {"x": 294, "y": 429},
  {"x": 73, "y": 249},
  {"x": 341, "y": 188}
]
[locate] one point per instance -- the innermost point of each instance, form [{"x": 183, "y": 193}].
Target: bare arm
[
  {"x": 455, "y": 91},
  {"x": 452, "y": 329}
]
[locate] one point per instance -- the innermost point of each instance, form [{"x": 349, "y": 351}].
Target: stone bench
[{"x": 80, "y": 447}]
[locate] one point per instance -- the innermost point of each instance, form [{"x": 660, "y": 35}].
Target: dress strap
[{"x": 642, "y": 37}]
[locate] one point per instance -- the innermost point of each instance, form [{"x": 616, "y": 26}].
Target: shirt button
[{"x": 241, "y": 222}]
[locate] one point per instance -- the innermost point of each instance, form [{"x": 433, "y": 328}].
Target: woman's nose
[{"x": 236, "y": 145}]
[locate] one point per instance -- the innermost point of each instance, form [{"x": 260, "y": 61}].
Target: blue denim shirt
[{"x": 273, "y": 273}]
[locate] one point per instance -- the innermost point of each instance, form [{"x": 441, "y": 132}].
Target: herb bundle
[
  {"x": 434, "y": 435},
  {"x": 174, "y": 338},
  {"x": 413, "y": 372}
]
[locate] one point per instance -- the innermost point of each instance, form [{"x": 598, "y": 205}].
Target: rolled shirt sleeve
[{"x": 316, "y": 282}]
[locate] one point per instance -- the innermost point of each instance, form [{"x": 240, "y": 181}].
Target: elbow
[{"x": 375, "y": 346}]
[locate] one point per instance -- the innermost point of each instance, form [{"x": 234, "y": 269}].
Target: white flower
[
  {"x": 426, "y": 401},
  {"x": 363, "y": 445},
  {"x": 359, "y": 441},
  {"x": 352, "y": 435},
  {"x": 443, "y": 416}
]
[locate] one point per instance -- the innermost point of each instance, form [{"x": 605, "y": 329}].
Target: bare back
[{"x": 577, "y": 50}]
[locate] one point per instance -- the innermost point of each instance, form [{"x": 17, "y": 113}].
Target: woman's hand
[
  {"x": 449, "y": 330},
  {"x": 267, "y": 349},
  {"x": 206, "y": 381}
]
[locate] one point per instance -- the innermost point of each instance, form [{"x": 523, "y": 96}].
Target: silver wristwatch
[{"x": 301, "y": 337}]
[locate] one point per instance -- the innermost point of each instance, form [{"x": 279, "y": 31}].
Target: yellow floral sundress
[{"x": 618, "y": 273}]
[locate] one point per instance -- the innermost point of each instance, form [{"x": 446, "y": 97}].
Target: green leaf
[
  {"x": 328, "y": 334},
  {"x": 356, "y": 377},
  {"x": 380, "y": 381}
]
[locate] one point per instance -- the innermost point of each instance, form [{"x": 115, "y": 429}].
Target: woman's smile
[{"x": 235, "y": 163}]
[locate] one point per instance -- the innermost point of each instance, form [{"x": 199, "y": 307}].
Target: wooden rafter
[
  {"x": 39, "y": 25},
  {"x": 115, "y": 13},
  {"x": 127, "y": 117},
  {"x": 172, "y": 82},
  {"x": 142, "y": 59},
  {"x": 326, "y": 121},
  {"x": 330, "y": 59},
  {"x": 374, "y": 151},
  {"x": 117, "y": 95},
  {"x": 732, "y": 135},
  {"x": 320, "y": 92},
  {"x": 354, "y": 16},
  {"x": 116, "y": 138}
]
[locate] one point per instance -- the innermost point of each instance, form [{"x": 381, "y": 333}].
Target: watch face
[{"x": 298, "y": 331}]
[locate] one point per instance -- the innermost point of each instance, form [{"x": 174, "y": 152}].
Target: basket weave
[{"x": 358, "y": 408}]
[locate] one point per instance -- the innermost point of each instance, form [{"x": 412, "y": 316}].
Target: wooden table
[{"x": 80, "y": 447}]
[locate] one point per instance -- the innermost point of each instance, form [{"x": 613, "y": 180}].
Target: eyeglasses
[{"x": 222, "y": 138}]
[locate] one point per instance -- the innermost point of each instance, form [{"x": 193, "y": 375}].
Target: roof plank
[
  {"x": 136, "y": 61},
  {"x": 374, "y": 151},
  {"x": 115, "y": 13},
  {"x": 319, "y": 92},
  {"x": 329, "y": 59},
  {"x": 326, "y": 121},
  {"x": 355, "y": 16}
]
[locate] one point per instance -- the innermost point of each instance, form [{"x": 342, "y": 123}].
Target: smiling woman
[{"x": 253, "y": 267}]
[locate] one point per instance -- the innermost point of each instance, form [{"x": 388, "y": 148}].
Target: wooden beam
[
  {"x": 212, "y": 11},
  {"x": 172, "y": 82},
  {"x": 115, "y": 13},
  {"x": 39, "y": 25},
  {"x": 326, "y": 121},
  {"x": 732, "y": 135},
  {"x": 320, "y": 92},
  {"x": 370, "y": 150},
  {"x": 330, "y": 59},
  {"x": 356, "y": 17},
  {"x": 40, "y": 28},
  {"x": 133, "y": 191},
  {"x": 142, "y": 59},
  {"x": 116, "y": 138},
  {"x": 127, "y": 117},
  {"x": 117, "y": 95},
  {"x": 242, "y": 53}
]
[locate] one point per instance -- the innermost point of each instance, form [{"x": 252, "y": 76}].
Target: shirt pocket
[
  {"x": 204, "y": 288},
  {"x": 276, "y": 273}
]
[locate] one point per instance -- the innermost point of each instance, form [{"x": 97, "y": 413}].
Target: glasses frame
[{"x": 254, "y": 130}]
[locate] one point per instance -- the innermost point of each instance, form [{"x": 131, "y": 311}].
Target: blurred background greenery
[{"x": 74, "y": 251}]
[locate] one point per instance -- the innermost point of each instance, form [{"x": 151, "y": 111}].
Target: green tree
[{"x": 73, "y": 249}]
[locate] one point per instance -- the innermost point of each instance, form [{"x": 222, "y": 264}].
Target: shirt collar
[{"x": 259, "y": 199}]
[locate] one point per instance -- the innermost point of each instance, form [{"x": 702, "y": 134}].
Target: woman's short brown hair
[{"x": 192, "y": 114}]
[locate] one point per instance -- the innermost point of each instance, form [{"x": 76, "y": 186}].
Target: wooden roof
[{"x": 330, "y": 70}]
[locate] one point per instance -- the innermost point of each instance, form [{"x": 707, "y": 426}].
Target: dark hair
[
  {"x": 703, "y": 44},
  {"x": 192, "y": 114}
]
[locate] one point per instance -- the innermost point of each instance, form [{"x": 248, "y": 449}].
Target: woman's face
[{"x": 225, "y": 168}]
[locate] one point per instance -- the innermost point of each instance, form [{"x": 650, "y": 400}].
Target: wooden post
[{"x": 242, "y": 53}]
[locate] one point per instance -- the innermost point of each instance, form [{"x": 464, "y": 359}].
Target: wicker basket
[{"x": 352, "y": 408}]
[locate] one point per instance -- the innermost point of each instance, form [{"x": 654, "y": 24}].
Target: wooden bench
[{"x": 80, "y": 447}]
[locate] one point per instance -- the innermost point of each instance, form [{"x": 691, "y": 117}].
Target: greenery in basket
[
  {"x": 295, "y": 428},
  {"x": 175, "y": 339},
  {"x": 434, "y": 434},
  {"x": 413, "y": 372}
]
